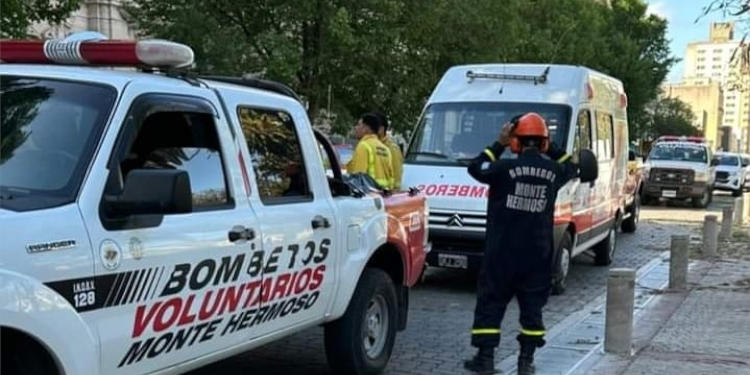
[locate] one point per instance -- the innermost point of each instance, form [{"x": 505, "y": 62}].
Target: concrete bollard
[
  {"x": 678, "y": 262},
  {"x": 710, "y": 235},
  {"x": 618, "y": 331},
  {"x": 738, "y": 213},
  {"x": 727, "y": 213}
]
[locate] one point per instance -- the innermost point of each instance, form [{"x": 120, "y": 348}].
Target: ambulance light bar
[
  {"x": 155, "y": 52},
  {"x": 542, "y": 78}
]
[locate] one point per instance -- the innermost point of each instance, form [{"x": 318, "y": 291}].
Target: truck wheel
[
  {"x": 630, "y": 224},
  {"x": 562, "y": 265},
  {"x": 737, "y": 193},
  {"x": 361, "y": 341},
  {"x": 704, "y": 200},
  {"x": 604, "y": 251},
  {"x": 22, "y": 355}
]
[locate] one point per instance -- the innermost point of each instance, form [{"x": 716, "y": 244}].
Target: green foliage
[
  {"x": 17, "y": 15},
  {"x": 389, "y": 54},
  {"x": 670, "y": 116}
]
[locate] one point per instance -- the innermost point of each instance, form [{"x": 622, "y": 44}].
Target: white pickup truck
[{"x": 154, "y": 223}]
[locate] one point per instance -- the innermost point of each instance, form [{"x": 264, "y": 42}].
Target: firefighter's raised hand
[{"x": 504, "y": 138}]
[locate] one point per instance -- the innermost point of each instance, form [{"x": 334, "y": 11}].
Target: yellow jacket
[
  {"x": 397, "y": 161},
  {"x": 371, "y": 156}
]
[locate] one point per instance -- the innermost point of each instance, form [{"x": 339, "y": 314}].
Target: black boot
[
  {"x": 526, "y": 359},
  {"x": 483, "y": 362}
]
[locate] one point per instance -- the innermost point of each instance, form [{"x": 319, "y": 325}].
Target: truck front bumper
[
  {"x": 732, "y": 184},
  {"x": 671, "y": 191}
]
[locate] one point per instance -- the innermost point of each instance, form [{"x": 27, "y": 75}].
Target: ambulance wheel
[
  {"x": 562, "y": 265},
  {"x": 604, "y": 251},
  {"x": 361, "y": 341},
  {"x": 630, "y": 224}
]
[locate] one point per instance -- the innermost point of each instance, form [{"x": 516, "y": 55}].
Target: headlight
[{"x": 701, "y": 176}]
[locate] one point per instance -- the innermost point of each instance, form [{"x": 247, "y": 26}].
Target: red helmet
[{"x": 530, "y": 125}]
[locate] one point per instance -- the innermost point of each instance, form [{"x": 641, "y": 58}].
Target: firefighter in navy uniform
[{"x": 519, "y": 240}]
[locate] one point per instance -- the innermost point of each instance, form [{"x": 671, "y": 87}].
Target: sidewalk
[{"x": 705, "y": 330}]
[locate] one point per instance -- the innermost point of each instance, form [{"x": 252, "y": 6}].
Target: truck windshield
[
  {"x": 49, "y": 130},
  {"x": 679, "y": 152},
  {"x": 453, "y": 133},
  {"x": 728, "y": 160}
]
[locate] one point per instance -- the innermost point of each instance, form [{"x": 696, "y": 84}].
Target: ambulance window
[
  {"x": 183, "y": 141},
  {"x": 604, "y": 136},
  {"x": 583, "y": 132},
  {"x": 277, "y": 155}
]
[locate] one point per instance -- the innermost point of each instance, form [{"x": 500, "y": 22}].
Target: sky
[{"x": 682, "y": 27}]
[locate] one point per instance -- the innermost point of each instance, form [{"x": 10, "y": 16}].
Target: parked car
[
  {"x": 730, "y": 173},
  {"x": 584, "y": 110},
  {"x": 679, "y": 168},
  {"x": 154, "y": 223}
]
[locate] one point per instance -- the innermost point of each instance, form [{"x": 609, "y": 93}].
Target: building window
[
  {"x": 717, "y": 58},
  {"x": 701, "y": 67},
  {"x": 701, "y": 59},
  {"x": 716, "y": 67},
  {"x": 701, "y": 51}
]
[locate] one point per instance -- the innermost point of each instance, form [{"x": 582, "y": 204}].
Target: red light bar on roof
[
  {"x": 675, "y": 138},
  {"x": 157, "y": 53}
]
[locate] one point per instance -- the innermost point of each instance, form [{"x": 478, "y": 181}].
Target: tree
[
  {"x": 389, "y": 54},
  {"x": 17, "y": 15},
  {"x": 669, "y": 116}
]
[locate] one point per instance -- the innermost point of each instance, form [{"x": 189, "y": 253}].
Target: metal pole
[
  {"x": 618, "y": 332},
  {"x": 727, "y": 212},
  {"x": 678, "y": 262},
  {"x": 710, "y": 235}
]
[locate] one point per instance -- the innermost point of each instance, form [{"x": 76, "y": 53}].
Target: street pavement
[{"x": 437, "y": 336}]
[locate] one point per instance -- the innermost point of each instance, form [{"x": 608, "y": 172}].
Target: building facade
[
  {"x": 104, "y": 16},
  {"x": 721, "y": 59},
  {"x": 705, "y": 97}
]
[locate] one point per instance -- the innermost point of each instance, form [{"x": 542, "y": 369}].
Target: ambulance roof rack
[
  {"x": 257, "y": 83},
  {"x": 540, "y": 79}
]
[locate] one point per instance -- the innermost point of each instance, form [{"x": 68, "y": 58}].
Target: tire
[
  {"x": 350, "y": 349},
  {"x": 604, "y": 251},
  {"x": 22, "y": 355},
  {"x": 630, "y": 224},
  {"x": 738, "y": 192},
  {"x": 562, "y": 265},
  {"x": 704, "y": 200}
]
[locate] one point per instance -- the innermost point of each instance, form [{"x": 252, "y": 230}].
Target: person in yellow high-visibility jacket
[
  {"x": 397, "y": 158},
  {"x": 371, "y": 156}
]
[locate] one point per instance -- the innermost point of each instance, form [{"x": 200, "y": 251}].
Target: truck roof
[
  {"x": 119, "y": 78},
  {"x": 562, "y": 84}
]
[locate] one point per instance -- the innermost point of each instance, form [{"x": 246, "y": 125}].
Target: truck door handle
[
  {"x": 320, "y": 222},
  {"x": 239, "y": 232}
]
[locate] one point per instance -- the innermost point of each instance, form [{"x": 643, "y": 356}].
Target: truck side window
[
  {"x": 183, "y": 141},
  {"x": 604, "y": 136},
  {"x": 277, "y": 155},
  {"x": 583, "y": 132}
]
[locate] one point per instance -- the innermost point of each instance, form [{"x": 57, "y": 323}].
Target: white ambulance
[{"x": 584, "y": 109}]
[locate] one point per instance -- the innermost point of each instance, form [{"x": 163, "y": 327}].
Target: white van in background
[{"x": 583, "y": 109}]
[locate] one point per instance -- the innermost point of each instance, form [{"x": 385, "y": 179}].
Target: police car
[
  {"x": 584, "y": 110},
  {"x": 153, "y": 221}
]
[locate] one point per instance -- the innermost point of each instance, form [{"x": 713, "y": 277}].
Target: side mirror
[
  {"x": 153, "y": 192},
  {"x": 588, "y": 167},
  {"x": 631, "y": 155},
  {"x": 714, "y": 162}
]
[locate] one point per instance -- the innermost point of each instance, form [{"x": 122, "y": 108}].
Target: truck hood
[
  {"x": 447, "y": 187},
  {"x": 698, "y": 167}
]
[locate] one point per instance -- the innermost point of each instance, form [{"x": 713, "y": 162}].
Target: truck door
[
  {"x": 604, "y": 202},
  {"x": 174, "y": 286},
  {"x": 296, "y": 214}
]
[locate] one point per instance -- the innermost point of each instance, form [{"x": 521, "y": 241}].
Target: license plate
[
  {"x": 669, "y": 193},
  {"x": 453, "y": 261}
]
